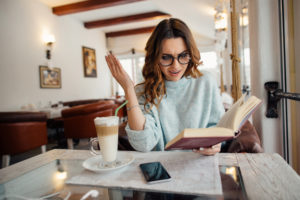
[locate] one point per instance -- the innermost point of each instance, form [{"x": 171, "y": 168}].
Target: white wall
[
  {"x": 265, "y": 66},
  {"x": 23, "y": 24}
]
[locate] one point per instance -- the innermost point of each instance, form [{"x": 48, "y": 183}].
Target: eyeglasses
[{"x": 167, "y": 59}]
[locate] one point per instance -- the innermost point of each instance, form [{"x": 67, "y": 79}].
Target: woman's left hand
[
  {"x": 209, "y": 151},
  {"x": 118, "y": 72}
]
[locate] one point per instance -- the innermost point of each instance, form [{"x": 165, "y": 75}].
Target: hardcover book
[{"x": 227, "y": 128}]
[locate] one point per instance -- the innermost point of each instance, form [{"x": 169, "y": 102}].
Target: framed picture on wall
[
  {"x": 50, "y": 77},
  {"x": 89, "y": 62}
]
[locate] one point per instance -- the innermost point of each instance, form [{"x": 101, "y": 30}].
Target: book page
[
  {"x": 227, "y": 121},
  {"x": 245, "y": 111}
]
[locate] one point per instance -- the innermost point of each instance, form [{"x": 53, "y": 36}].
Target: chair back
[
  {"x": 22, "y": 131},
  {"x": 79, "y": 120}
]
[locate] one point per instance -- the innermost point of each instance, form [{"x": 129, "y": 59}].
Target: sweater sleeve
[
  {"x": 149, "y": 138},
  {"x": 217, "y": 109}
]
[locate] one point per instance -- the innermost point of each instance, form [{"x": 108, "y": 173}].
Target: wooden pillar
[
  {"x": 236, "y": 91},
  {"x": 222, "y": 79}
]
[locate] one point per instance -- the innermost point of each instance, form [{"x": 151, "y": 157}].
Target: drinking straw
[{"x": 117, "y": 110}]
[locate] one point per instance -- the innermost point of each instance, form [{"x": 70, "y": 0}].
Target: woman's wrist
[
  {"x": 131, "y": 97},
  {"x": 129, "y": 92},
  {"x": 131, "y": 107}
]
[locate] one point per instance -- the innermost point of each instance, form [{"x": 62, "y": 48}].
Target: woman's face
[{"x": 176, "y": 48}]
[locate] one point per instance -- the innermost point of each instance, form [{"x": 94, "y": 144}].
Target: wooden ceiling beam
[
  {"x": 130, "y": 32},
  {"x": 126, "y": 19},
  {"x": 88, "y": 5}
]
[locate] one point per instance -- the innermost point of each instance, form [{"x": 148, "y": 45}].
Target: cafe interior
[{"x": 55, "y": 82}]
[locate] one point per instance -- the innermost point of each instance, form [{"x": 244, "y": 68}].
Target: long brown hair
[{"x": 154, "y": 84}]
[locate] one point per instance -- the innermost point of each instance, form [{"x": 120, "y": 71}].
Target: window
[
  {"x": 133, "y": 66},
  {"x": 210, "y": 64},
  {"x": 209, "y": 60}
]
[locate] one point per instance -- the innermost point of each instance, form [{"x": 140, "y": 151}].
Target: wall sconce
[
  {"x": 49, "y": 40},
  {"x": 220, "y": 21}
]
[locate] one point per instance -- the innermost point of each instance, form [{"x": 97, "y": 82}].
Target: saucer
[{"x": 97, "y": 164}]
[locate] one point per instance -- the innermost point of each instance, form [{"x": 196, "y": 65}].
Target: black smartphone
[{"x": 154, "y": 172}]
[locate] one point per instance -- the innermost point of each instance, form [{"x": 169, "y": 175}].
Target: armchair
[
  {"x": 79, "y": 120},
  {"x": 21, "y": 132}
]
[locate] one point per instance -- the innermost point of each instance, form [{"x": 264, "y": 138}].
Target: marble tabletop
[{"x": 191, "y": 173}]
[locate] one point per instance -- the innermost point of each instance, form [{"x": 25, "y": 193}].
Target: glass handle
[{"x": 93, "y": 151}]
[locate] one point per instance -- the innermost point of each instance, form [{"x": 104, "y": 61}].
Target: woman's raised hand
[
  {"x": 118, "y": 72},
  {"x": 136, "y": 118}
]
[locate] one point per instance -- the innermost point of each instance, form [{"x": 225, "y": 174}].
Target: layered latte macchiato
[{"x": 107, "y": 132}]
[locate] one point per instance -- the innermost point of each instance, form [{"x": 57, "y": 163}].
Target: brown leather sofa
[
  {"x": 118, "y": 102},
  {"x": 21, "y": 132},
  {"x": 79, "y": 120},
  {"x": 78, "y": 102}
]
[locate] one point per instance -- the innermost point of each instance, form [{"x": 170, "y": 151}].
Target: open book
[{"x": 227, "y": 128}]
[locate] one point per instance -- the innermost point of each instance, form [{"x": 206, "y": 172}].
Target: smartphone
[{"x": 154, "y": 172}]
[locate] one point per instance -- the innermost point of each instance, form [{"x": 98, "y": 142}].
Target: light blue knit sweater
[{"x": 188, "y": 103}]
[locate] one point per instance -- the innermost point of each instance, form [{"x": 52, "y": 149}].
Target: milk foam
[{"x": 107, "y": 121}]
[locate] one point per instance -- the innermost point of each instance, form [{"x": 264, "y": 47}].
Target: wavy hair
[{"x": 154, "y": 84}]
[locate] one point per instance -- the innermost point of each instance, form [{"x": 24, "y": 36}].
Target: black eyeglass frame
[{"x": 177, "y": 58}]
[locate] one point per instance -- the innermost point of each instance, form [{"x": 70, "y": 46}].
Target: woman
[{"x": 174, "y": 95}]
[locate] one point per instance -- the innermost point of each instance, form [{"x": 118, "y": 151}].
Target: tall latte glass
[{"x": 107, "y": 132}]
